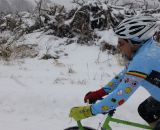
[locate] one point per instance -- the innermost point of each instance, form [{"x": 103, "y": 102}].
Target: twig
[
  {"x": 79, "y": 3},
  {"x": 97, "y": 61}
]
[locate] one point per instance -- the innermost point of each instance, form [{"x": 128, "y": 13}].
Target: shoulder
[
  {"x": 141, "y": 62},
  {"x": 146, "y": 58}
]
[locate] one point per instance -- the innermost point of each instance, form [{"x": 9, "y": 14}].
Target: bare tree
[
  {"x": 39, "y": 8},
  {"x": 81, "y": 3}
]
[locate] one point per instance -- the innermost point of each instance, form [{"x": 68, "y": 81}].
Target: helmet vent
[
  {"x": 148, "y": 21},
  {"x": 132, "y": 22},
  {"x": 120, "y": 31},
  {"x": 137, "y": 27}
]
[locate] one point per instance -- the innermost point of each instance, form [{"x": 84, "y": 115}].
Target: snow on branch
[{"x": 78, "y": 2}]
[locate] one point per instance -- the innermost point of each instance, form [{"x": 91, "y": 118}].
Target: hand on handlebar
[{"x": 92, "y": 96}]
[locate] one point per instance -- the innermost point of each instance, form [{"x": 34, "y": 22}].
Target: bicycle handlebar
[{"x": 111, "y": 112}]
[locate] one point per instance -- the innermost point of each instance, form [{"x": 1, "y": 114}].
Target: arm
[
  {"x": 120, "y": 95},
  {"x": 113, "y": 84},
  {"x": 93, "y": 96}
]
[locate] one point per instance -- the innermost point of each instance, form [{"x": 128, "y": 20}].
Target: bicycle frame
[{"x": 109, "y": 119}]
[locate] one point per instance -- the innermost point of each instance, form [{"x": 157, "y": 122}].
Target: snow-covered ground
[{"x": 37, "y": 94}]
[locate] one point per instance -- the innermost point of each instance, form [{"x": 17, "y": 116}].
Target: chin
[{"x": 129, "y": 58}]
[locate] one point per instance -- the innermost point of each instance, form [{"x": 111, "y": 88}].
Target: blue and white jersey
[{"x": 144, "y": 65}]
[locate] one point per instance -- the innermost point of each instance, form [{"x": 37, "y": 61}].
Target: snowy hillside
[{"x": 38, "y": 94}]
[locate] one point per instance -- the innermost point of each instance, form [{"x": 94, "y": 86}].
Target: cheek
[
  {"x": 127, "y": 52},
  {"x": 127, "y": 48},
  {"x": 123, "y": 49}
]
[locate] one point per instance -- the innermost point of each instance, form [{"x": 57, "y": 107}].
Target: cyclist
[{"x": 136, "y": 42}]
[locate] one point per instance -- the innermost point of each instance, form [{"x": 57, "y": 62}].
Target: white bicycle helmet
[{"x": 137, "y": 28}]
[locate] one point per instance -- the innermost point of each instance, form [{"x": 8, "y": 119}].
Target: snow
[
  {"x": 68, "y": 3},
  {"x": 38, "y": 94},
  {"x": 108, "y": 36}
]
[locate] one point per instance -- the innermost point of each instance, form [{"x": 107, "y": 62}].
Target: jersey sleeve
[
  {"x": 112, "y": 85},
  {"x": 119, "y": 96}
]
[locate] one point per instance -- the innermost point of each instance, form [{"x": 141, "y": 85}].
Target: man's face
[{"x": 126, "y": 48}]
